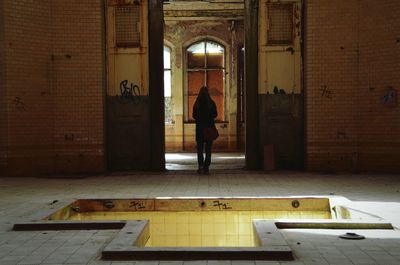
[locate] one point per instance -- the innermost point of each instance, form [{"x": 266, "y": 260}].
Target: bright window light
[
  {"x": 167, "y": 72},
  {"x": 167, "y": 83},
  {"x": 167, "y": 57}
]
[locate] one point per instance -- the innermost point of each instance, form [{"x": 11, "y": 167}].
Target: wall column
[
  {"x": 3, "y": 103},
  {"x": 251, "y": 84},
  {"x": 156, "y": 84}
]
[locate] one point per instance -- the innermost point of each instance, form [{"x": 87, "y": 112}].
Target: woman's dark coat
[{"x": 204, "y": 112}]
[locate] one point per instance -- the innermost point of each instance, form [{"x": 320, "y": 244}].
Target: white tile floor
[
  {"x": 20, "y": 197},
  {"x": 220, "y": 161}
]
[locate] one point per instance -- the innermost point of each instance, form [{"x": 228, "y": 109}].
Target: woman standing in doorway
[{"x": 204, "y": 112}]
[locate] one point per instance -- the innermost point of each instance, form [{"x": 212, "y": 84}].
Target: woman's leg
[
  {"x": 207, "y": 162},
  {"x": 200, "y": 157}
]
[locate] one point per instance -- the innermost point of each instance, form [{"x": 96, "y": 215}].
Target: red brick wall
[
  {"x": 351, "y": 59},
  {"x": 54, "y": 92}
]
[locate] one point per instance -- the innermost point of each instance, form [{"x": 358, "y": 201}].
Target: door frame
[
  {"x": 252, "y": 132},
  {"x": 156, "y": 84}
]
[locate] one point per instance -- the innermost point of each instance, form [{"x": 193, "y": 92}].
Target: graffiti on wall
[
  {"x": 278, "y": 90},
  {"x": 389, "y": 97},
  {"x": 19, "y": 104},
  {"x": 221, "y": 205},
  {"x": 325, "y": 92},
  {"x": 341, "y": 135},
  {"x": 138, "y": 205},
  {"x": 129, "y": 93},
  {"x": 123, "y": 2}
]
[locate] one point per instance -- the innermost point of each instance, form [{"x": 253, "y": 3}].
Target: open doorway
[
  {"x": 202, "y": 44},
  {"x": 259, "y": 95}
]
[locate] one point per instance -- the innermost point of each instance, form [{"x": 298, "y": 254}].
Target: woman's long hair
[{"x": 203, "y": 100}]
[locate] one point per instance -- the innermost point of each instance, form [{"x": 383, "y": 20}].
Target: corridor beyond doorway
[{"x": 219, "y": 161}]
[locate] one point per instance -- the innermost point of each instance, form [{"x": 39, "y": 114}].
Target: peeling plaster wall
[
  {"x": 180, "y": 34},
  {"x": 129, "y": 144},
  {"x": 280, "y": 94},
  {"x": 351, "y": 63}
]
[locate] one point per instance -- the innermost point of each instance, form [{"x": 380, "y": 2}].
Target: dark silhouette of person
[{"x": 204, "y": 112}]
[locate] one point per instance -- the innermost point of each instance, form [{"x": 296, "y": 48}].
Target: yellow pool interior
[{"x": 200, "y": 228}]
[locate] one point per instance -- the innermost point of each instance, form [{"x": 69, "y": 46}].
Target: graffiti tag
[
  {"x": 137, "y": 205},
  {"x": 126, "y": 2},
  {"x": 221, "y": 206},
  {"x": 325, "y": 92},
  {"x": 279, "y": 91},
  {"x": 390, "y": 97},
  {"x": 129, "y": 93},
  {"x": 341, "y": 135},
  {"x": 19, "y": 104}
]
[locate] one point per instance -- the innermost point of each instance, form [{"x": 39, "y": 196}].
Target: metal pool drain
[{"x": 353, "y": 236}]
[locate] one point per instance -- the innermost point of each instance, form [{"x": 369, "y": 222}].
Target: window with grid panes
[
  {"x": 127, "y": 20},
  {"x": 205, "y": 67},
  {"x": 167, "y": 85},
  {"x": 280, "y": 24}
]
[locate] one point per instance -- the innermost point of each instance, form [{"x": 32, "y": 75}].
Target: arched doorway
[
  {"x": 204, "y": 56},
  {"x": 205, "y": 66}
]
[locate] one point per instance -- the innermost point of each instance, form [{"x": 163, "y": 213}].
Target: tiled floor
[
  {"x": 22, "y": 197},
  {"x": 188, "y": 161}
]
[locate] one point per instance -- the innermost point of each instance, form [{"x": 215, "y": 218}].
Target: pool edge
[{"x": 272, "y": 246}]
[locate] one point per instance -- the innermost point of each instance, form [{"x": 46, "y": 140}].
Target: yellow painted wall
[
  {"x": 127, "y": 63},
  {"x": 278, "y": 66}
]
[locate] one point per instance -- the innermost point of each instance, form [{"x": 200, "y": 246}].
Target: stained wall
[
  {"x": 53, "y": 87},
  {"x": 280, "y": 90},
  {"x": 128, "y": 102},
  {"x": 351, "y": 79},
  {"x": 28, "y": 92},
  {"x": 78, "y": 49}
]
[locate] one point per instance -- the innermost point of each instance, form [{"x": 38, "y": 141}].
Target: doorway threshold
[{"x": 219, "y": 161}]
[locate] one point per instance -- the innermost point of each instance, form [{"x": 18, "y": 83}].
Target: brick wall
[
  {"x": 28, "y": 94},
  {"x": 78, "y": 87},
  {"x": 51, "y": 94},
  {"x": 352, "y": 58},
  {"x": 54, "y": 89},
  {"x": 379, "y": 72}
]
